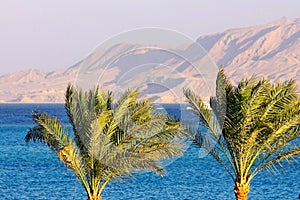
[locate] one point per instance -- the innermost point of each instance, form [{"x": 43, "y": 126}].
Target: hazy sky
[{"x": 55, "y": 34}]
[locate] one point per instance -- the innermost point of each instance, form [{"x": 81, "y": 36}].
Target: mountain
[{"x": 270, "y": 50}]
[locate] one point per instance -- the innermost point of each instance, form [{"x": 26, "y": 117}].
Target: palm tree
[
  {"x": 107, "y": 140},
  {"x": 250, "y": 127}
]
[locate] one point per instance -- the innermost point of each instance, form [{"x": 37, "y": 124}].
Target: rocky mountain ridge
[{"x": 271, "y": 50}]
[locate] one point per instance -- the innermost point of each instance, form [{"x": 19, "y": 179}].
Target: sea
[{"x": 33, "y": 171}]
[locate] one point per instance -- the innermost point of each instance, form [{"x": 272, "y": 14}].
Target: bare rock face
[
  {"x": 271, "y": 50},
  {"x": 34, "y": 86}
]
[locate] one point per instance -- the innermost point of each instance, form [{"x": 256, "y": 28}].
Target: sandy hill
[{"x": 271, "y": 50}]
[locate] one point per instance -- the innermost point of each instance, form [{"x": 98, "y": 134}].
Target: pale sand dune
[{"x": 271, "y": 50}]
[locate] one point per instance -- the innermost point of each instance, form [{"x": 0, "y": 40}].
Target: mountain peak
[{"x": 283, "y": 21}]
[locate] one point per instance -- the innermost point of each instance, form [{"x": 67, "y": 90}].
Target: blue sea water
[{"x": 32, "y": 171}]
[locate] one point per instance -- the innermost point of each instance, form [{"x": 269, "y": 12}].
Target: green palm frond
[
  {"x": 49, "y": 130},
  {"x": 206, "y": 115},
  {"x": 108, "y": 140},
  {"x": 258, "y": 128}
]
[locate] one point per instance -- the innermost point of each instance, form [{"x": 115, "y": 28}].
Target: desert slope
[{"x": 271, "y": 50}]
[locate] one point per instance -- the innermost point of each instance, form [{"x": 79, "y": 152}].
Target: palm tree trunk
[
  {"x": 94, "y": 198},
  {"x": 241, "y": 190}
]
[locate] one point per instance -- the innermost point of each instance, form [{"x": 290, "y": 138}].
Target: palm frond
[
  {"x": 49, "y": 131},
  {"x": 260, "y": 126},
  {"x": 108, "y": 140}
]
